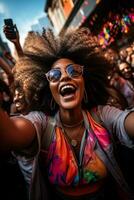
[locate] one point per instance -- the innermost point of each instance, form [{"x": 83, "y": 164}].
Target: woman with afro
[{"x": 64, "y": 142}]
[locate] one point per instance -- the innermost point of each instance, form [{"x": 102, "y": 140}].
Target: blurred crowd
[{"x": 121, "y": 77}]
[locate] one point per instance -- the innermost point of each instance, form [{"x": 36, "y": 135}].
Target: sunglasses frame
[{"x": 47, "y": 74}]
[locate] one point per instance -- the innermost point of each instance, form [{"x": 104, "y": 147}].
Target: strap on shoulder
[
  {"x": 47, "y": 137},
  {"x": 95, "y": 116}
]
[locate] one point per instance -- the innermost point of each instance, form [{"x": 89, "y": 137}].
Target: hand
[
  {"x": 14, "y": 37},
  {"x": 11, "y": 35}
]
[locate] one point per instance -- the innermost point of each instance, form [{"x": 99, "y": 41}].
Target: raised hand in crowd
[
  {"x": 7, "y": 68},
  {"x": 14, "y": 37},
  {"x": 8, "y": 56}
]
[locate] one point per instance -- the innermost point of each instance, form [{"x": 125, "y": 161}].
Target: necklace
[
  {"x": 74, "y": 125},
  {"x": 74, "y": 142}
]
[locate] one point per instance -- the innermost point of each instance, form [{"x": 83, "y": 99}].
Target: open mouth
[
  {"x": 17, "y": 104},
  {"x": 67, "y": 90}
]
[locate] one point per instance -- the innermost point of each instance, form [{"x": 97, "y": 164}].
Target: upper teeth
[{"x": 67, "y": 86}]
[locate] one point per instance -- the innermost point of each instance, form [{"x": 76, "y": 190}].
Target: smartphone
[{"x": 9, "y": 23}]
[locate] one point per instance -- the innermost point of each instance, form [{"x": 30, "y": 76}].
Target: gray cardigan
[{"x": 112, "y": 119}]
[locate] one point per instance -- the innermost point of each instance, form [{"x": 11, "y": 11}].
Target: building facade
[{"x": 111, "y": 21}]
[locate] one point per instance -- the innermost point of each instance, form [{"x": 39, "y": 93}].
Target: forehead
[
  {"x": 63, "y": 62},
  {"x": 18, "y": 90},
  {"x": 129, "y": 49},
  {"x": 123, "y": 51},
  {"x": 123, "y": 65}
]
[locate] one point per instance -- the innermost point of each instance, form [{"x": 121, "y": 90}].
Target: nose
[
  {"x": 16, "y": 96},
  {"x": 64, "y": 76},
  {"x": 14, "y": 99},
  {"x": 125, "y": 69}
]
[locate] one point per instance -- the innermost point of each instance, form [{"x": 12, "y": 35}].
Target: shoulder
[
  {"x": 115, "y": 116},
  {"x": 108, "y": 110},
  {"x": 28, "y": 126},
  {"x": 103, "y": 111},
  {"x": 108, "y": 115},
  {"x": 35, "y": 116}
]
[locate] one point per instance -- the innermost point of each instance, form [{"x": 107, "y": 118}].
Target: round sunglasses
[{"x": 73, "y": 71}]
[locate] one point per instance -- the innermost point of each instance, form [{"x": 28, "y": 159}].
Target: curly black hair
[{"x": 79, "y": 46}]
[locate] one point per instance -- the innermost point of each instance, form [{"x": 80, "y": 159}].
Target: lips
[
  {"x": 67, "y": 89},
  {"x": 17, "y": 104}
]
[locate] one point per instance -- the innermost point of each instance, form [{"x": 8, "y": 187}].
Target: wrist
[{"x": 17, "y": 43}]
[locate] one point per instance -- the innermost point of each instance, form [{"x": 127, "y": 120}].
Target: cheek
[
  {"x": 54, "y": 90},
  {"x": 82, "y": 86},
  {"x": 82, "y": 91}
]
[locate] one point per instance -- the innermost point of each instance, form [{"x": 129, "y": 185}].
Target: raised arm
[
  {"x": 15, "y": 39},
  {"x": 6, "y": 67},
  {"x": 8, "y": 56}
]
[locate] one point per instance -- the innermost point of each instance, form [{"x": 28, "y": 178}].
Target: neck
[
  {"x": 71, "y": 118},
  {"x": 74, "y": 125}
]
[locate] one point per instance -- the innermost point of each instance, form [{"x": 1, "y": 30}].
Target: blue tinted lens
[
  {"x": 74, "y": 70},
  {"x": 54, "y": 75}
]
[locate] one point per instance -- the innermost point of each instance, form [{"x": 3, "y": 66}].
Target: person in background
[
  {"x": 64, "y": 142},
  {"x": 132, "y": 60},
  {"x": 112, "y": 56},
  {"x": 122, "y": 81},
  {"x": 10, "y": 58},
  {"x": 11, "y": 179},
  {"x": 12, "y": 182},
  {"x": 116, "y": 99},
  {"x": 7, "y": 69},
  {"x": 9, "y": 35},
  {"x": 5, "y": 96},
  {"x": 126, "y": 72},
  {"x": 126, "y": 84},
  {"x": 129, "y": 52},
  {"x": 123, "y": 55}
]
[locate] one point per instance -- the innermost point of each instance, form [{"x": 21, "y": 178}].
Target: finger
[
  {"x": 9, "y": 34},
  {"x": 7, "y": 29},
  {"x": 16, "y": 28}
]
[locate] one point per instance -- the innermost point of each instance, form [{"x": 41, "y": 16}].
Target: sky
[{"x": 24, "y": 14}]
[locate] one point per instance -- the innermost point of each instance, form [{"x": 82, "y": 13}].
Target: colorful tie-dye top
[{"x": 64, "y": 169}]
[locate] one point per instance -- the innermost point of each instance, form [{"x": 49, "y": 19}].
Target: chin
[{"x": 69, "y": 106}]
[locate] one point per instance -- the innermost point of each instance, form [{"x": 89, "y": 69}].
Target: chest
[{"x": 67, "y": 165}]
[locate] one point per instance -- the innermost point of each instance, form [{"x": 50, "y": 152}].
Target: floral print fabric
[{"x": 64, "y": 169}]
